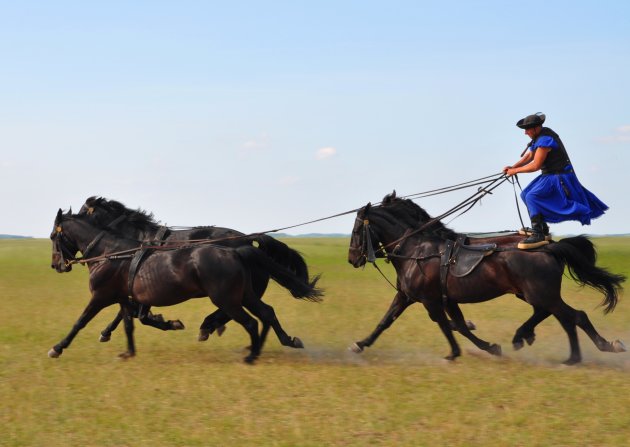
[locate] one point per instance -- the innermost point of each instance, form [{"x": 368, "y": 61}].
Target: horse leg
[
  {"x": 436, "y": 313},
  {"x": 157, "y": 321},
  {"x": 602, "y": 344},
  {"x": 267, "y": 315},
  {"x": 147, "y": 318},
  {"x": 128, "y": 324},
  {"x": 396, "y": 308},
  {"x": 525, "y": 333},
  {"x": 94, "y": 307},
  {"x": 250, "y": 324},
  {"x": 106, "y": 334},
  {"x": 567, "y": 316},
  {"x": 458, "y": 318},
  {"x": 215, "y": 321}
]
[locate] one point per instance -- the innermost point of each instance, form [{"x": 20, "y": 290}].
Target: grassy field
[{"x": 180, "y": 392}]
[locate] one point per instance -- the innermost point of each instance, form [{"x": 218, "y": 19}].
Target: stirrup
[
  {"x": 528, "y": 232},
  {"x": 525, "y": 245}
]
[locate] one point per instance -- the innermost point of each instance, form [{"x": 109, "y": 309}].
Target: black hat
[{"x": 531, "y": 121}]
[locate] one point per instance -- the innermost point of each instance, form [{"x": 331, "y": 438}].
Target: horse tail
[
  {"x": 298, "y": 286},
  {"x": 579, "y": 255},
  {"x": 282, "y": 254}
]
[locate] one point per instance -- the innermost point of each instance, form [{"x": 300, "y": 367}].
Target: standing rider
[{"x": 556, "y": 195}]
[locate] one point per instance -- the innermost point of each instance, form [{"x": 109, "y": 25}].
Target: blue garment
[
  {"x": 558, "y": 195},
  {"x": 561, "y": 197}
]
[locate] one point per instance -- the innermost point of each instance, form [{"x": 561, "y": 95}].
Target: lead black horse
[
  {"x": 168, "y": 276},
  {"x": 416, "y": 244},
  {"x": 141, "y": 226}
]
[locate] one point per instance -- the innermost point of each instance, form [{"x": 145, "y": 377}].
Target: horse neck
[
  {"x": 388, "y": 233},
  {"x": 83, "y": 234},
  {"x": 129, "y": 229},
  {"x": 133, "y": 232}
]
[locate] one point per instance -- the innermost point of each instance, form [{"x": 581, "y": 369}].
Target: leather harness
[
  {"x": 460, "y": 260},
  {"x": 141, "y": 254}
]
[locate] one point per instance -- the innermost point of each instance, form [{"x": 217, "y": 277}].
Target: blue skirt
[{"x": 561, "y": 197}]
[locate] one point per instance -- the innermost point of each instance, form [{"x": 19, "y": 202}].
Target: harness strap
[
  {"x": 139, "y": 256},
  {"x": 371, "y": 256},
  {"x": 445, "y": 263}
]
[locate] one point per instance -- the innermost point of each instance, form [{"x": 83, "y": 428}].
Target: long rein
[
  {"x": 465, "y": 205},
  {"x": 156, "y": 245}
]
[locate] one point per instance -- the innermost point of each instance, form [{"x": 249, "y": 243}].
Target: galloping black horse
[
  {"x": 141, "y": 226},
  {"x": 416, "y": 245},
  {"x": 168, "y": 277}
]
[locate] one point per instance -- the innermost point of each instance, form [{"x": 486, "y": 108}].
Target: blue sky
[{"x": 261, "y": 115}]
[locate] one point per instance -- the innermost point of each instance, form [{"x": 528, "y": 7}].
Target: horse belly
[
  {"x": 161, "y": 282},
  {"x": 482, "y": 284}
]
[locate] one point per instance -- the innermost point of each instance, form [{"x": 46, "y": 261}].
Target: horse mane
[
  {"x": 413, "y": 216},
  {"x": 140, "y": 219}
]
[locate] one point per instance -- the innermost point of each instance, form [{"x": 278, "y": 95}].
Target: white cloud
[
  {"x": 622, "y": 135},
  {"x": 256, "y": 144},
  {"x": 288, "y": 180},
  {"x": 325, "y": 152}
]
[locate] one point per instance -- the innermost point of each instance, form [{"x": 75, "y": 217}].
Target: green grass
[{"x": 180, "y": 392}]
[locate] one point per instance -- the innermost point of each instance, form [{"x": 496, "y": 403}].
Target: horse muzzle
[
  {"x": 60, "y": 265},
  {"x": 356, "y": 258}
]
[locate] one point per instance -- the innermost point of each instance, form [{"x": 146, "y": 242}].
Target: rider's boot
[
  {"x": 528, "y": 231},
  {"x": 537, "y": 238}
]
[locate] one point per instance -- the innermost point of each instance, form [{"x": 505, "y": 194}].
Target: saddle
[{"x": 460, "y": 259}]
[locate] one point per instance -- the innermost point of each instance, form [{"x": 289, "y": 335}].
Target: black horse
[
  {"x": 168, "y": 276},
  {"x": 141, "y": 226},
  {"x": 416, "y": 245}
]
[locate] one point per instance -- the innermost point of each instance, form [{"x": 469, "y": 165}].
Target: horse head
[
  {"x": 64, "y": 249},
  {"x": 363, "y": 242}
]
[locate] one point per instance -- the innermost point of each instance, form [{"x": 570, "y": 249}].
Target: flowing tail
[
  {"x": 579, "y": 254},
  {"x": 300, "y": 287},
  {"x": 282, "y": 254}
]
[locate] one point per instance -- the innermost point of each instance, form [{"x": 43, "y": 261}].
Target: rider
[{"x": 556, "y": 195}]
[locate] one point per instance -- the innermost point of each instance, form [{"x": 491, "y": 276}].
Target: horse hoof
[
  {"x": 451, "y": 357},
  {"x": 104, "y": 338},
  {"x": 472, "y": 326},
  {"x": 250, "y": 359},
  {"x": 354, "y": 347},
  {"x": 495, "y": 349},
  {"x": 53, "y": 354},
  {"x": 572, "y": 361},
  {"x": 297, "y": 343},
  {"x": 177, "y": 325},
  {"x": 518, "y": 345},
  {"x": 221, "y": 330},
  {"x": 203, "y": 335},
  {"x": 618, "y": 346},
  {"x": 126, "y": 355},
  {"x": 531, "y": 339}
]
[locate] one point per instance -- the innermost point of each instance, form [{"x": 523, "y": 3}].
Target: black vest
[{"x": 557, "y": 159}]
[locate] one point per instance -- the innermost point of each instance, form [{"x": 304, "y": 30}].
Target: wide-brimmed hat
[{"x": 530, "y": 121}]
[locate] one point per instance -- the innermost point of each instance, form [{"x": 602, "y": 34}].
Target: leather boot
[
  {"x": 537, "y": 238},
  {"x": 546, "y": 232}
]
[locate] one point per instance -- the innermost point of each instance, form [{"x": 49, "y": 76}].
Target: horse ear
[
  {"x": 367, "y": 207},
  {"x": 393, "y": 194},
  {"x": 59, "y": 216}
]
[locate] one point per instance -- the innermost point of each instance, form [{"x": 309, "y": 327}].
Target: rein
[
  {"x": 129, "y": 253},
  {"x": 467, "y": 204}
]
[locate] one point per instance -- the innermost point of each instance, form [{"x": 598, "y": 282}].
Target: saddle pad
[{"x": 464, "y": 260}]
